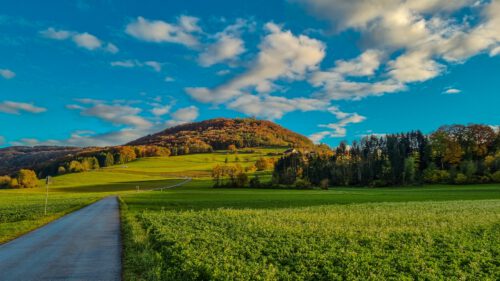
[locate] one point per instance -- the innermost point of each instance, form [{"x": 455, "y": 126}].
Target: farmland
[
  {"x": 429, "y": 240},
  {"x": 22, "y": 210},
  {"x": 194, "y": 231}
]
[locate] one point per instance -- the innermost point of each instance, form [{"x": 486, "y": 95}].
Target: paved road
[{"x": 84, "y": 245}]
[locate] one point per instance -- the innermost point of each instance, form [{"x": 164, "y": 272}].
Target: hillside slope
[
  {"x": 221, "y": 132},
  {"x": 15, "y": 157}
]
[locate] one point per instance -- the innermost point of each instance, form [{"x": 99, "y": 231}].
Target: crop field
[{"x": 195, "y": 233}]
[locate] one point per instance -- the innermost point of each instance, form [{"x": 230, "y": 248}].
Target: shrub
[
  {"x": 302, "y": 183},
  {"x": 61, "y": 170},
  {"x": 27, "y": 178},
  {"x": 496, "y": 176},
  {"x": 75, "y": 166},
  {"x": 250, "y": 169},
  {"x": 14, "y": 183},
  {"x": 5, "y": 181},
  {"x": 460, "y": 179},
  {"x": 264, "y": 164}
]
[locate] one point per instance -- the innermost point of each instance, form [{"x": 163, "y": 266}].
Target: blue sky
[{"x": 106, "y": 72}]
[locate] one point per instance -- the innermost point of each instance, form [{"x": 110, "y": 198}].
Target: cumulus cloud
[
  {"x": 115, "y": 114},
  {"x": 154, "y": 65},
  {"x": 282, "y": 55},
  {"x": 364, "y": 65},
  {"x": 419, "y": 37},
  {"x": 160, "y": 109},
  {"x": 337, "y": 129},
  {"x": 83, "y": 40},
  {"x": 495, "y": 51},
  {"x": 186, "y": 114},
  {"x": 335, "y": 87},
  {"x": 228, "y": 45},
  {"x": 130, "y": 120},
  {"x": 7, "y": 73},
  {"x": 335, "y": 84},
  {"x": 274, "y": 107},
  {"x": 414, "y": 66},
  {"x": 183, "y": 32},
  {"x": 12, "y": 107}
]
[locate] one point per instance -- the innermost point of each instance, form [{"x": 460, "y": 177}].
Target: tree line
[{"x": 455, "y": 154}]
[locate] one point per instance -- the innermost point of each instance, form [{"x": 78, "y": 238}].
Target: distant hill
[
  {"x": 219, "y": 133},
  {"x": 198, "y": 137},
  {"x": 15, "y": 157}
]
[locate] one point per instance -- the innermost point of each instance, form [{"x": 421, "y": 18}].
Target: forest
[{"x": 456, "y": 154}]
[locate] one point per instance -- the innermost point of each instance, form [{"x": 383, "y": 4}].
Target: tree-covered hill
[{"x": 215, "y": 134}]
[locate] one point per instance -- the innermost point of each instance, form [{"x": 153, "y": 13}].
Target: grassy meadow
[
  {"x": 22, "y": 210},
  {"x": 196, "y": 232}
]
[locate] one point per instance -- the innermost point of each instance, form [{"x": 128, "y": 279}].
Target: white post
[{"x": 47, "y": 181}]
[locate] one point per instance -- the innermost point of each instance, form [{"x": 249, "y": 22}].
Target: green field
[
  {"x": 23, "y": 210},
  {"x": 196, "y": 232}
]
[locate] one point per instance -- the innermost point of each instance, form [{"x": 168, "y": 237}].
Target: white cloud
[
  {"x": 495, "y": 51},
  {"x": 83, "y": 40},
  {"x": 274, "y": 107},
  {"x": 56, "y": 34},
  {"x": 364, "y": 65},
  {"x": 282, "y": 55},
  {"x": 160, "y": 110},
  {"x": 87, "y": 41},
  {"x": 335, "y": 87},
  {"x": 7, "y": 73},
  {"x": 11, "y": 107},
  {"x": 452, "y": 91},
  {"x": 110, "y": 47},
  {"x": 223, "y": 72},
  {"x": 154, "y": 65},
  {"x": 2, "y": 140},
  {"x": 414, "y": 66},
  {"x": 227, "y": 46},
  {"x": 426, "y": 36},
  {"x": 183, "y": 32},
  {"x": 115, "y": 114},
  {"x": 337, "y": 129},
  {"x": 169, "y": 79},
  {"x": 186, "y": 114},
  {"x": 124, "y": 63}
]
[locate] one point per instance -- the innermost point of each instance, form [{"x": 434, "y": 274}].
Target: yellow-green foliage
[
  {"x": 426, "y": 240},
  {"x": 27, "y": 178}
]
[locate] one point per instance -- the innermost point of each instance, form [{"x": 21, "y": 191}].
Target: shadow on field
[
  {"x": 118, "y": 186},
  {"x": 193, "y": 197}
]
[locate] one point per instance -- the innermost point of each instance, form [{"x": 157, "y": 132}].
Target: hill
[
  {"x": 197, "y": 137},
  {"x": 15, "y": 157},
  {"x": 216, "y": 134}
]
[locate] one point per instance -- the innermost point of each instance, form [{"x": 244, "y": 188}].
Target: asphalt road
[{"x": 84, "y": 245}]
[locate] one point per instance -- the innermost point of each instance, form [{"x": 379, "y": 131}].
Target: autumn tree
[{"x": 27, "y": 178}]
